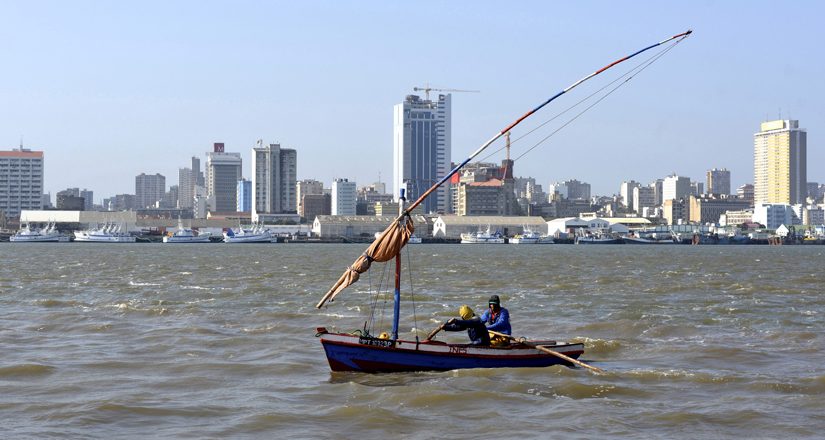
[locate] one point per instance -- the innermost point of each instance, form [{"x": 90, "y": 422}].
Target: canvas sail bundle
[{"x": 384, "y": 248}]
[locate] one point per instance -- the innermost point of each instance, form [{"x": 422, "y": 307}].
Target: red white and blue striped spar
[
  {"x": 347, "y": 352},
  {"x": 678, "y": 37}
]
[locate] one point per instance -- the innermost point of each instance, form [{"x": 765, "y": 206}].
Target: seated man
[
  {"x": 497, "y": 318},
  {"x": 475, "y": 328}
]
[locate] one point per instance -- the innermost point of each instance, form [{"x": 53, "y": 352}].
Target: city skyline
[{"x": 148, "y": 101}]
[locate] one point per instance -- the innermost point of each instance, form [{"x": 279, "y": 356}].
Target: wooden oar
[
  {"x": 549, "y": 351},
  {"x": 434, "y": 332}
]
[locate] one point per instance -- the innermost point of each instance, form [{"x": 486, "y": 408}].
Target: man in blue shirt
[{"x": 497, "y": 318}]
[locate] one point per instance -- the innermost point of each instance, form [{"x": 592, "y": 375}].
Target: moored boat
[
  {"x": 530, "y": 237},
  {"x": 47, "y": 234},
  {"x": 482, "y": 237},
  {"x": 108, "y": 233},
  {"x": 257, "y": 234},
  {"x": 186, "y": 235}
]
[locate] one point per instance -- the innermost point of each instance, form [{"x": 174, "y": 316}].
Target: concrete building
[
  {"x": 120, "y": 202},
  {"x": 480, "y": 198},
  {"x": 709, "y": 208},
  {"x": 772, "y": 215},
  {"x": 697, "y": 188},
  {"x": 343, "y": 197},
  {"x": 658, "y": 189},
  {"x": 188, "y": 180},
  {"x": 244, "y": 195},
  {"x": 735, "y": 218},
  {"x": 149, "y": 190},
  {"x": 307, "y": 187},
  {"x": 274, "y": 178},
  {"x": 812, "y": 215},
  {"x": 643, "y": 197},
  {"x": 675, "y": 187},
  {"x": 780, "y": 163},
  {"x": 360, "y": 226},
  {"x": 676, "y": 212},
  {"x": 626, "y": 193},
  {"x": 718, "y": 181},
  {"x": 577, "y": 190},
  {"x": 313, "y": 205},
  {"x": 21, "y": 181},
  {"x": 452, "y": 226},
  {"x": 223, "y": 171},
  {"x": 745, "y": 192},
  {"x": 422, "y": 149}
]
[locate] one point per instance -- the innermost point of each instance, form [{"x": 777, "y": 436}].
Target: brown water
[{"x": 217, "y": 341}]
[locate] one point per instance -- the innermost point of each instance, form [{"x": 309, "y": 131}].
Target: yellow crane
[{"x": 427, "y": 89}]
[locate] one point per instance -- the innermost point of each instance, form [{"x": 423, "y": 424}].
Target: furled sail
[{"x": 384, "y": 248}]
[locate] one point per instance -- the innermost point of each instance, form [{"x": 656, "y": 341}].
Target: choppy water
[{"x": 217, "y": 341}]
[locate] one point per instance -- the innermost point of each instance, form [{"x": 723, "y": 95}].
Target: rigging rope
[
  {"x": 630, "y": 74},
  {"x": 412, "y": 292}
]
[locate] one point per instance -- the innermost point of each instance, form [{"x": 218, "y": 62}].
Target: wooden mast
[{"x": 396, "y": 308}]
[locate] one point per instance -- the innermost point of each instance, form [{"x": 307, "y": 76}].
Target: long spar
[{"x": 452, "y": 172}]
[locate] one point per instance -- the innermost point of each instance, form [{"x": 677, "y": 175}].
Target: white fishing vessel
[
  {"x": 531, "y": 237},
  {"x": 108, "y": 233},
  {"x": 257, "y": 234},
  {"x": 186, "y": 235},
  {"x": 47, "y": 234},
  {"x": 482, "y": 237}
]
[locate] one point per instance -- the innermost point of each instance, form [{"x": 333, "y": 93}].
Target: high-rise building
[
  {"x": 149, "y": 189},
  {"x": 21, "y": 181},
  {"x": 745, "y": 192},
  {"x": 223, "y": 171},
  {"x": 643, "y": 197},
  {"x": 307, "y": 187},
  {"x": 718, "y": 181},
  {"x": 188, "y": 179},
  {"x": 343, "y": 197},
  {"x": 422, "y": 149},
  {"x": 626, "y": 192},
  {"x": 780, "y": 163},
  {"x": 658, "y": 191},
  {"x": 244, "y": 196},
  {"x": 577, "y": 190},
  {"x": 697, "y": 188},
  {"x": 675, "y": 187},
  {"x": 274, "y": 176}
]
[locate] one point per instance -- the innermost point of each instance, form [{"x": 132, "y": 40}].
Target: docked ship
[
  {"x": 649, "y": 239},
  {"x": 482, "y": 237},
  {"x": 186, "y": 235},
  {"x": 258, "y": 234},
  {"x": 48, "y": 234},
  {"x": 531, "y": 237},
  {"x": 598, "y": 239},
  {"x": 109, "y": 233}
]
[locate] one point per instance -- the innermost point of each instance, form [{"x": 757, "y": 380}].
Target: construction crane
[{"x": 426, "y": 89}]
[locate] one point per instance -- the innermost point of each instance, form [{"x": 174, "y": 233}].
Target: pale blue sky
[{"x": 113, "y": 89}]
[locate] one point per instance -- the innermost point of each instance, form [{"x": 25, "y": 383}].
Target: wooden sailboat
[{"x": 365, "y": 352}]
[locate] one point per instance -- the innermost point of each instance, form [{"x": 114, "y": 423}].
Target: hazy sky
[{"x": 113, "y": 89}]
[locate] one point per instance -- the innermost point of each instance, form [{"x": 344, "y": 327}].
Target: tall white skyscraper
[
  {"x": 780, "y": 163},
  {"x": 343, "y": 197},
  {"x": 274, "y": 176},
  {"x": 422, "y": 149},
  {"x": 21, "y": 181},
  {"x": 626, "y": 192},
  {"x": 223, "y": 171}
]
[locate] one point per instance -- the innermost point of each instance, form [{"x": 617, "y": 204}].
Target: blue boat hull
[{"x": 353, "y": 353}]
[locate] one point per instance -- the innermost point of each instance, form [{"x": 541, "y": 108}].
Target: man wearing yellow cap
[{"x": 470, "y": 322}]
